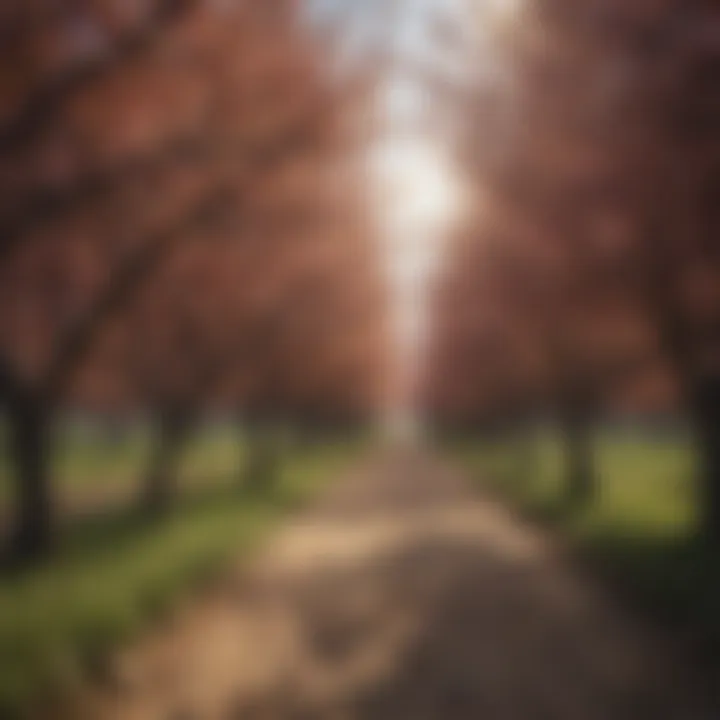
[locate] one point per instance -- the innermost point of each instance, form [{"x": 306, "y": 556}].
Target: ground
[{"x": 402, "y": 595}]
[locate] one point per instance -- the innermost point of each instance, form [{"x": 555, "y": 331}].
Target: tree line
[
  {"x": 181, "y": 233},
  {"x": 586, "y": 280}
]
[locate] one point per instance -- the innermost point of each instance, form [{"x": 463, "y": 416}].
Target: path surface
[{"x": 400, "y": 596}]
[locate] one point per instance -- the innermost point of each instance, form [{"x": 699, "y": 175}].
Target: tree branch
[
  {"x": 39, "y": 111},
  {"x": 134, "y": 271}
]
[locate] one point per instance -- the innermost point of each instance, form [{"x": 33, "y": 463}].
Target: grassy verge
[
  {"x": 115, "y": 573},
  {"x": 641, "y": 531},
  {"x": 87, "y": 462}
]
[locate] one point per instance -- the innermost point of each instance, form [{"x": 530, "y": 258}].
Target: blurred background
[{"x": 241, "y": 242}]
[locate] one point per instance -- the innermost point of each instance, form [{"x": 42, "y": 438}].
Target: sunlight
[
  {"x": 418, "y": 199},
  {"x": 427, "y": 53},
  {"x": 419, "y": 191}
]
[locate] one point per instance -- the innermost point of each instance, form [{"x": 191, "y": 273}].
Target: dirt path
[{"x": 400, "y": 596}]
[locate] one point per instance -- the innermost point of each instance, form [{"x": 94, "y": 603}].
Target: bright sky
[
  {"x": 417, "y": 201},
  {"x": 426, "y": 47}
]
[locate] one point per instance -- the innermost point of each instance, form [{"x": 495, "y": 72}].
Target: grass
[
  {"x": 88, "y": 460},
  {"x": 642, "y": 529},
  {"x": 115, "y": 573}
]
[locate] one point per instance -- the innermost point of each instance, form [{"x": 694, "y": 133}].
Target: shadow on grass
[
  {"x": 667, "y": 573},
  {"x": 518, "y": 490},
  {"x": 673, "y": 579},
  {"x": 95, "y": 533},
  {"x": 109, "y": 531},
  {"x": 676, "y": 580},
  {"x": 116, "y": 572}
]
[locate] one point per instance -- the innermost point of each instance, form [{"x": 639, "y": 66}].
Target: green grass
[
  {"x": 113, "y": 574},
  {"x": 92, "y": 462},
  {"x": 642, "y": 529}
]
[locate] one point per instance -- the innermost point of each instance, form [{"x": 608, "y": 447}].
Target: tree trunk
[
  {"x": 527, "y": 457},
  {"x": 30, "y": 445},
  {"x": 160, "y": 483},
  {"x": 705, "y": 409},
  {"x": 580, "y": 479},
  {"x": 261, "y": 467}
]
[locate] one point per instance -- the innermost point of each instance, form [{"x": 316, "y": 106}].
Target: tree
[
  {"x": 563, "y": 193},
  {"x": 150, "y": 139}
]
